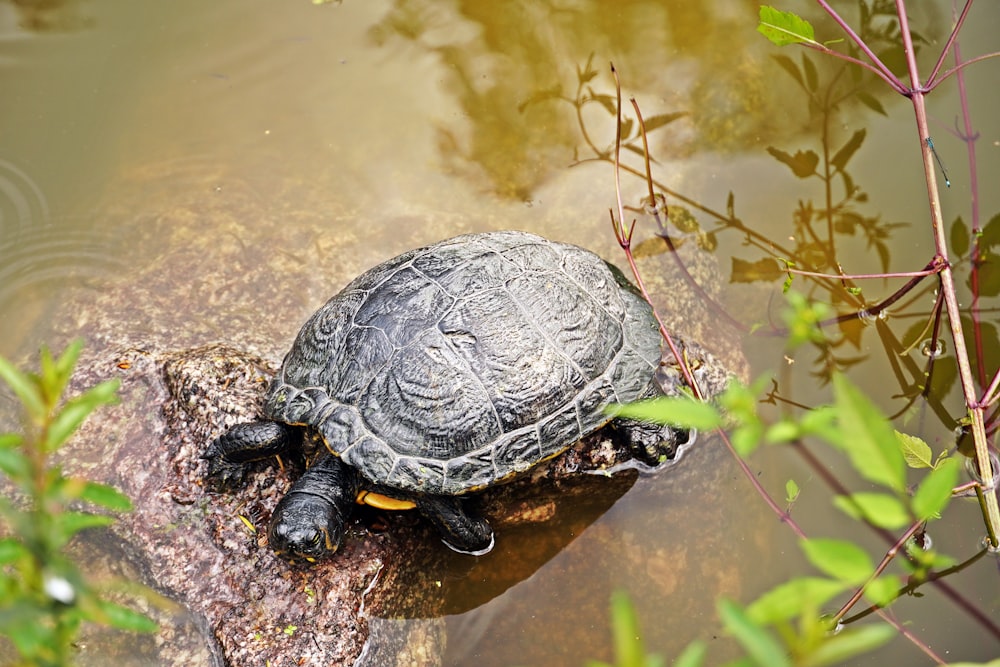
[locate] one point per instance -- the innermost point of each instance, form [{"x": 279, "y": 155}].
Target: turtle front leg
[
  {"x": 308, "y": 523},
  {"x": 229, "y": 453},
  {"x": 459, "y": 531}
]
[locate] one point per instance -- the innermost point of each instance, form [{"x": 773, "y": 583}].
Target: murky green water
[{"x": 406, "y": 121}]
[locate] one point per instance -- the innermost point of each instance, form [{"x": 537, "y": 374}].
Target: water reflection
[
  {"x": 51, "y": 15},
  {"x": 500, "y": 56}
]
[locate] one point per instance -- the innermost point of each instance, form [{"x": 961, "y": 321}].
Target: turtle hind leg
[
  {"x": 229, "y": 454},
  {"x": 654, "y": 445},
  {"x": 459, "y": 531}
]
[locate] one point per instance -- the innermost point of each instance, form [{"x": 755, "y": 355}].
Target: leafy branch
[{"x": 44, "y": 596}]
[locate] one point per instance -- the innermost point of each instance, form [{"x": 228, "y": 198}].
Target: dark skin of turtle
[{"x": 308, "y": 522}]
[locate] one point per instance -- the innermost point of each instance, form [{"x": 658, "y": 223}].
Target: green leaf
[
  {"x": 916, "y": 452},
  {"x": 788, "y": 600},
  {"x": 76, "y": 410},
  {"x": 629, "y": 650},
  {"x": 959, "y": 237},
  {"x": 28, "y": 630},
  {"x": 821, "y": 422},
  {"x": 123, "y": 618},
  {"x": 756, "y": 641},
  {"x": 677, "y": 411},
  {"x": 15, "y": 465},
  {"x": 791, "y": 491},
  {"x": 884, "y": 590},
  {"x": 867, "y": 437},
  {"x": 67, "y": 360},
  {"x": 693, "y": 655},
  {"x": 763, "y": 270},
  {"x": 785, "y": 430},
  {"x": 68, "y": 524},
  {"x": 11, "y": 550},
  {"x": 850, "y": 643},
  {"x": 783, "y": 28},
  {"x": 803, "y": 163},
  {"x": 934, "y": 492},
  {"x": 105, "y": 496},
  {"x": 803, "y": 318},
  {"x": 847, "y": 151},
  {"x": 25, "y": 388},
  {"x": 879, "y": 509},
  {"x": 840, "y": 559},
  {"x": 746, "y": 437},
  {"x": 740, "y": 403},
  {"x": 56, "y": 372}
]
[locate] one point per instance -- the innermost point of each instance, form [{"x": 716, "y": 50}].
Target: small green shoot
[
  {"x": 44, "y": 596},
  {"x": 629, "y": 648}
]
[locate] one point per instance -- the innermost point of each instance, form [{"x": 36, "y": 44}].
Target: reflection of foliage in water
[
  {"x": 51, "y": 15},
  {"x": 501, "y": 57},
  {"x": 853, "y": 424},
  {"x": 820, "y": 230}
]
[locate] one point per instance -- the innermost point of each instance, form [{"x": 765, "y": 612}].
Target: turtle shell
[{"x": 454, "y": 366}]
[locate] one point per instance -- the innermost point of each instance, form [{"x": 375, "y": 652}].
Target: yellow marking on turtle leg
[{"x": 383, "y": 502}]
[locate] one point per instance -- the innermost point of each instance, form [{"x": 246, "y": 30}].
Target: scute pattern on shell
[{"x": 454, "y": 366}]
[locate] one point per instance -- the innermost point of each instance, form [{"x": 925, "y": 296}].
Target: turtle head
[{"x": 305, "y": 527}]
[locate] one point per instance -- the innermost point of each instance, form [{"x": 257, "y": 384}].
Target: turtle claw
[
  {"x": 225, "y": 474},
  {"x": 230, "y": 455},
  {"x": 476, "y": 552},
  {"x": 221, "y": 472}
]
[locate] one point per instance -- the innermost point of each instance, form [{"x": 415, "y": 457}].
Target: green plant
[
  {"x": 44, "y": 596},
  {"x": 630, "y": 650},
  {"x": 790, "y": 625},
  {"x": 853, "y": 426}
]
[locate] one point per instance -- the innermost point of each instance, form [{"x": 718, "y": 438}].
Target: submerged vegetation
[{"x": 801, "y": 621}]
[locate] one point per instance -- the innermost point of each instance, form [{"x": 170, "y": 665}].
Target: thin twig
[
  {"x": 947, "y": 46},
  {"x": 991, "y": 509},
  {"x": 879, "y": 67}
]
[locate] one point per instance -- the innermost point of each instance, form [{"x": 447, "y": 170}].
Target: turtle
[{"x": 444, "y": 371}]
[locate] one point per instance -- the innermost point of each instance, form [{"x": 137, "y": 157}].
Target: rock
[{"x": 208, "y": 551}]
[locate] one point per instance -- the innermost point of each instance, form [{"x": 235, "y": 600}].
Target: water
[{"x": 400, "y": 123}]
